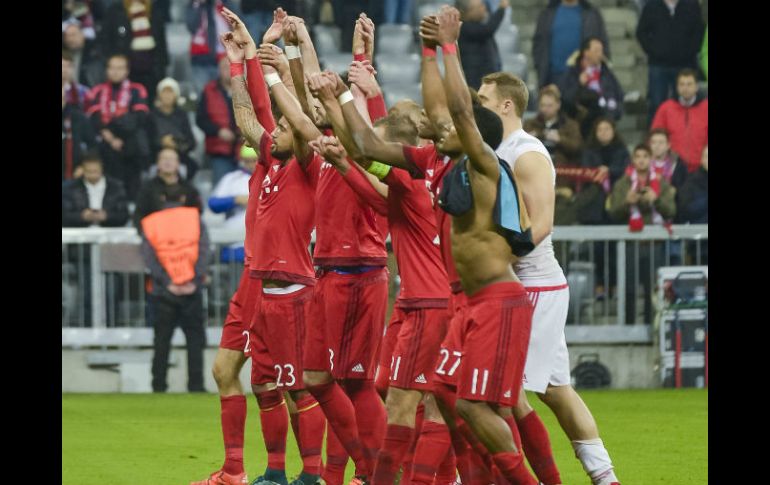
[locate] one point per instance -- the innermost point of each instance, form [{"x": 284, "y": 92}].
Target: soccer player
[{"x": 547, "y": 370}]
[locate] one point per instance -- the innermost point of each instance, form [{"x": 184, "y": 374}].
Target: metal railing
[{"x": 611, "y": 273}]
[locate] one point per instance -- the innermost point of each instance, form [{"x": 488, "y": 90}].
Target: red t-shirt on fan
[
  {"x": 348, "y": 232},
  {"x": 284, "y": 218},
  {"x": 415, "y": 238},
  {"x": 434, "y": 167}
]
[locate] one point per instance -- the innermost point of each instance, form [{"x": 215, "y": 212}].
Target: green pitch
[{"x": 657, "y": 436}]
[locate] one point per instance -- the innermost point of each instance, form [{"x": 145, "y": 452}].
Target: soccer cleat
[
  {"x": 298, "y": 481},
  {"x": 261, "y": 481},
  {"x": 222, "y": 478}
]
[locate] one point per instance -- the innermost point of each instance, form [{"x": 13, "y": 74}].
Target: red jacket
[
  {"x": 214, "y": 113},
  {"x": 688, "y": 128}
]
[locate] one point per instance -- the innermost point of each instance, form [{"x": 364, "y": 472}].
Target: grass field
[{"x": 654, "y": 437}]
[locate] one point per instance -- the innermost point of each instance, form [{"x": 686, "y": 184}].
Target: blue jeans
[
  {"x": 220, "y": 166},
  {"x": 257, "y": 23},
  {"x": 398, "y": 11},
  {"x": 660, "y": 87}
]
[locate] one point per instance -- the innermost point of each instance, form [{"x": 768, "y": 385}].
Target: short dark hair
[
  {"x": 91, "y": 156},
  {"x": 511, "y": 87},
  {"x": 643, "y": 147},
  {"x": 399, "y": 127},
  {"x": 658, "y": 131},
  {"x": 687, "y": 72},
  {"x": 593, "y": 141},
  {"x": 490, "y": 126}
]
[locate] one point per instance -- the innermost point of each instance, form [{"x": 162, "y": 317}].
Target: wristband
[
  {"x": 345, "y": 97},
  {"x": 428, "y": 51},
  {"x": 272, "y": 79},
  {"x": 292, "y": 52},
  {"x": 360, "y": 57},
  {"x": 379, "y": 170},
  {"x": 236, "y": 69},
  {"x": 449, "y": 48}
]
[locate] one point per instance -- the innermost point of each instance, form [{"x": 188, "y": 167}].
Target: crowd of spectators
[{"x": 121, "y": 111}]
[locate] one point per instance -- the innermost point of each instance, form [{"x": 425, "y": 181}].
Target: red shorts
[
  {"x": 277, "y": 335},
  {"x": 496, "y": 341},
  {"x": 344, "y": 332},
  {"x": 235, "y": 332},
  {"x": 414, "y": 357},
  {"x": 450, "y": 350},
  {"x": 382, "y": 380}
]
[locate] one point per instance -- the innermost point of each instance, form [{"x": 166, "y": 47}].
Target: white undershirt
[{"x": 96, "y": 193}]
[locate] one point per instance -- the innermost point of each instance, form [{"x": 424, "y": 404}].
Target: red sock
[
  {"x": 406, "y": 475},
  {"x": 433, "y": 446},
  {"x": 311, "y": 423},
  {"x": 397, "y": 439},
  {"x": 336, "y": 459},
  {"x": 233, "y": 421},
  {"x": 342, "y": 419},
  {"x": 275, "y": 427},
  {"x": 462, "y": 456},
  {"x": 479, "y": 469},
  {"x": 511, "y": 422},
  {"x": 370, "y": 416},
  {"x": 537, "y": 448},
  {"x": 447, "y": 470},
  {"x": 512, "y": 467}
]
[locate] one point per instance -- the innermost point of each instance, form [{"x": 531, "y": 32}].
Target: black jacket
[
  {"x": 75, "y": 201},
  {"x": 693, "y": 198},
  {"x": 615, "y": 156},
  {"x": 155, "y": 195},
  {"x": 116, "y": 36},
  {"x": 671, "y": 41},
  {"x": 75, "y": 124},
  {"x": 574, "y": 94},
  {"x": 176, "y": 124},
  {"x": 478, "y": 48},
  {"x": 592, "y": 26}
]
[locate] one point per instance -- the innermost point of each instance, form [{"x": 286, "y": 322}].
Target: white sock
[{"x": 595, "y": 460}]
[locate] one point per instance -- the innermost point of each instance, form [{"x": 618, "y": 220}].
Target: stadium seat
[
  {"x": 398, "y": 69},
  {"x": 338, "y": 62},
  {"x": 580, "y": 278},
  {"x": 507, "y": 38},
  {"x": 395, "y": 39},
  {"x": 327, "y": 39},
  {"x": 396, "y": 92},
  {"x": 515, "y": 64}
]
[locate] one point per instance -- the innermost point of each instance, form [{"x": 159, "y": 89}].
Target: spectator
[
  {"x": 670, "y": 32},
  {"x": 206, "y": 24},
  {"x": 561, "y": 28},
  {"x": 77, "y": 11},
  {"x": 704, "y": 54},
  {"x": 94, "y": 200},
  {"x": 87, "y": 67},
  {"x": 74, "y": 92},
  {"x": 686, "y": 118},
  {"x": 137, "y": 30},
  {"x": 166, "y": 187},
  {"x": 216, "y": 118},
  {"x": 230, "y": 197},
  {"x": 175, "y": 248},
  {"x": 693, "y": 197},
  {"x": 169, "y": 126},
  {"x": 118, "y": 111},
  {"x": 589, "y": 87},
  {"x": 77, "y": 138},
  {"x": 258, "y": 15},
  {"x": 642, "y": 198},
  {"x": 478, "y": 48},
  {"x": 606, "y": 150},
  {"x": 561, "y": 136},
  {"x": 347, "y": 11},
  {"x": 665, "y": 162},
  {"x": 398, "y": 11}
]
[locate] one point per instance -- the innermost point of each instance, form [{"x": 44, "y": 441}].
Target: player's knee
[
  {"x": 553, "y": 394},
  {"x": 259, "y": 389},
  {"x": 401, "y": 405},
  {"x": 223, "y": 374}
]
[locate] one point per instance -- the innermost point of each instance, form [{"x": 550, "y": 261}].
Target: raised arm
[
  {"x": 243, "y": 110},
  {"x": 482, "y": 157},
  {"x": 322, "y": 85},
  {"x": 433, "y": 95},
  {"x": 361, "y": 74}
]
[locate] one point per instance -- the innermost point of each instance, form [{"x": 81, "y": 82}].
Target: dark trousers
[
  {"x": 187, "y": 312},
  {"x": 661, "y": 86},
  {"x": 650, "y": 257}
]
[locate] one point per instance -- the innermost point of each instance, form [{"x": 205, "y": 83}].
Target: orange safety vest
[{"x": 174, "y": 234}]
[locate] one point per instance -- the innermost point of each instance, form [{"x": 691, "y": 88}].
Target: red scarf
[
  {"x": 636, "y": 221},
  {"x": 664, "y": 167},
  {"x": 114, "y": 109},
  {"x": 199, "y": 46}
]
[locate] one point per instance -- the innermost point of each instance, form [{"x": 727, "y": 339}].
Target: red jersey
[
  {"x": 434, "y": 166},
  {"x": 284, "y": 218},
  {"x": 415, "y": 243},
  {"x": 348, "y": 231}
]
